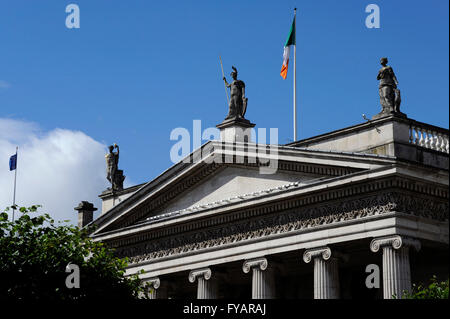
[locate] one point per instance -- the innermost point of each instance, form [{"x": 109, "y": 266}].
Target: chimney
[{"x": 85, "y": 213}]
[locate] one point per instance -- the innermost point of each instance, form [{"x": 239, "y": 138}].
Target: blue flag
[{"x": 13, "y": 162}]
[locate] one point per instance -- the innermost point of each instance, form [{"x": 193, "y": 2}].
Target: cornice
[
  {"x": 246, "y": 226},
  {"x": 417, "y": 191}
]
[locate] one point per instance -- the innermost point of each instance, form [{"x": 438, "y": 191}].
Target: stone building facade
[{"x": 339, "y": 204}]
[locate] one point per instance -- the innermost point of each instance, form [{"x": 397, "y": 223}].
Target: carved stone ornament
[
  {"x": 252, "y": 263},
  {"x": 324, "y": 252},
  {"x": 281, "y": 222},
  {"x": 203, "y": 272},
  {"x": 395, "y": 241},
  {"x": 154, "y": 282}
]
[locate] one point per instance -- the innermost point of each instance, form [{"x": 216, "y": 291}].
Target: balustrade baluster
[
  {"x": 446, "y": 144},
  {"x": 433, "y": 140},
  {"x": 421, "y": 138},
  {"x": 416, "y": 135}
]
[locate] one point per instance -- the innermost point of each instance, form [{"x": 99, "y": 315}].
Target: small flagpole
[
  {"x": 15, "y": 178},
  {"x": 295, "y": 77}
]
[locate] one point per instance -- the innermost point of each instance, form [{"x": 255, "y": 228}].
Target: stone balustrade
[{"x": 429, "y": 137}]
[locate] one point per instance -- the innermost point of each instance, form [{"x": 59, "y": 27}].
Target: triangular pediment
[
  {"x": 230, "y": 182},
  {"x": 204, "y": 182}
]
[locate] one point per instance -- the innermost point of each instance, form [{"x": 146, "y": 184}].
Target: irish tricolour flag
[{"x": 290, "y": 41}]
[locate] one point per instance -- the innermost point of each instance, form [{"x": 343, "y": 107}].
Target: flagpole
[
  {"x": 295, "y": 78},
  {"x": 15, "y": 178}
]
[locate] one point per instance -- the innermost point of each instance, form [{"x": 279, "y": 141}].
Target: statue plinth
[
  {"x": 236, "y": 130},
  {"x": 118, "y": 180},
  {"x": 389, "y": 113}
]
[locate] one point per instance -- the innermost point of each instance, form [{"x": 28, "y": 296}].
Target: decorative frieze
[
  {"x": 411, "y": 202},
  {"x": 248, "y": 228}
]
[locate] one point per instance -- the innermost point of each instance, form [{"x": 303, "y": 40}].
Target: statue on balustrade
[
  {"x": 113, "y": 174},
  {"x": 238, "y": 101},
  {"x": 390, "y": 97}
]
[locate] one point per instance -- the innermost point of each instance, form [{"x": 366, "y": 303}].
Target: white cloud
[
  {"x": 4, "y": 85},
  {"x": 56, "y": 169}
]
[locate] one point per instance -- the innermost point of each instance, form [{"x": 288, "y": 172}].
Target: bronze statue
[
  {"x": 113, "y": 174},
  {"x": 389, "y": 93},
  {"x": 238, "y": 101}
]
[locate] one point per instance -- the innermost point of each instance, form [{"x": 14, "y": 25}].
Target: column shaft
[
  {"x": 262, "y": 284},
  {"x": 326, "y": 278},
  {"x": 207, "y": 289},
  {"x": 396, "y": 272},
  {"x": 326, "y": 273},
  {"x": 396, "y": 267},
  {"x": 153, "y": 294}
]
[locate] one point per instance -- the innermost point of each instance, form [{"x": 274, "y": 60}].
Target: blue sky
[{"x": 136, "y": 70}]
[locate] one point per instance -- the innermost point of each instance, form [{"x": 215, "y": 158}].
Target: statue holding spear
[{"x": 238, "y": 102}]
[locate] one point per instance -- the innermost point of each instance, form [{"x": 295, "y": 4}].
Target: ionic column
[
  {"x": 153, "y": 284},
  {"x": 206, "y": 288},
  {"x": 396, "y": 268},
  {"x": 262, "y": 280},
  {"x": 326, "y": 274}
]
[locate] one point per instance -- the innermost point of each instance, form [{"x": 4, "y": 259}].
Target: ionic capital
[
  {"x": 253, "y": 263},
  {"x": 154, "y": 282},
  {"x": 309, "y": 254},
  {"x": 395, "y": 241},
  {"x": 203, "y": 272}
]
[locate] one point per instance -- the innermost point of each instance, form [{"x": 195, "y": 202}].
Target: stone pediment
[
  {"x": 205, "y": 182},
  {"x": 230, "y": 182}
]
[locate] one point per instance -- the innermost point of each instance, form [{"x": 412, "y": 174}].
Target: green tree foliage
[
  {"x": 34, "y": 254},
  {"x": 435, "y": 290}
]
